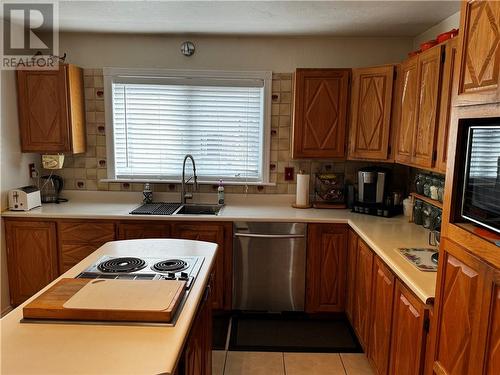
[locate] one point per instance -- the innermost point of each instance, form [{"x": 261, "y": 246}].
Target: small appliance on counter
[
  {"x": 372, "y": 198},
  {"x": 329, "y": 190},
  {"x": 24, "y": 198},
  {"x": 50, "y": 187}
]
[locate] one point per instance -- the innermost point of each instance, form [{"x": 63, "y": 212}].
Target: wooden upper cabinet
[
  {"x": 326, "y": 265},
  {"x": 408, "y": 333},
  {"x": 363, "y": 293},
  {"x": 51, "y": 110},
  {"x": 424, "y": 96},
  {"x": 408, "y": 110},
  {"x": 479, "y": 68},
  {"x": 31, "y": 257},
  {"x": 447, "y": 89},
  {"x": 320, "y": 113},
  {"x": 371, "y": 104},
  {"x": 381, "y": 316},
  {"x": 429, "y": 78}
]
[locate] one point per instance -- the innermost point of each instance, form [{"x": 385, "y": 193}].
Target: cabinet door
[
  {"x": 429, "y": 80},
  {"x": 408, "y": 333},
  {"x": 326, "y": 265},
  {"x": 445, "y": 105},
  {"x": 221, "y": 235},
  {"x": 31, "y": 257},
  {"x": 197, "y": 359},
  {"x": 408, "y": 110},
  {"x": 381, "y": 316},
  {"x": 43, "y": 110},
  {"x": 458, "y": 304},
  {"x": 131, "y": 231},
  {"x": 479, "y": 70},
  {"x": 352, "y": 251},
  {"x": 371, "y": 112},
  {"x": 363, "y": 293},
  {"x": 492, "y": 347},
  {"x": 320, "y": 117}
]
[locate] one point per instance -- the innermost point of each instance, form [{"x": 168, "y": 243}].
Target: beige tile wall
[{"x": 84, "y": 172}]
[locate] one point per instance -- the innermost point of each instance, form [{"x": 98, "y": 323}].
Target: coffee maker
[{"x": 372, "y": 183}]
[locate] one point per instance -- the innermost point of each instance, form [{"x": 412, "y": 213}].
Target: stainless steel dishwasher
[{"x": 269, "y": 266}]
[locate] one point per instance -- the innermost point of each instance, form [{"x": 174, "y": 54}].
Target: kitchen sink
[{"x": 199, "y": 209}]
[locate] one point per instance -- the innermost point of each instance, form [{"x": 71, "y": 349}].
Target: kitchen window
[{"x": 155, "y": 117}]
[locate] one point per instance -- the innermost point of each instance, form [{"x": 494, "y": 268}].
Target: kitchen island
[{"x": 44, "y": 348}]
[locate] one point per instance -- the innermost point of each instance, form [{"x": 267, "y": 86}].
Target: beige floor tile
[
  {"x": 254, "y": 363},
  {"x": 313, "y": 364},
  {"x": 356, "y": 364},
  {"x": 218, "y": 362}
]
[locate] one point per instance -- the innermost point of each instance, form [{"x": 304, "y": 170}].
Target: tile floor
[{"x": 266, "y": 363}]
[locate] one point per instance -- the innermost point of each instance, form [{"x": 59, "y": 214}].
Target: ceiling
[{"x": 342, "y": 18}]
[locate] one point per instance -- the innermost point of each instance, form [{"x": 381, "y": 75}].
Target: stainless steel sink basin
[{"x": 198, "y": 209}]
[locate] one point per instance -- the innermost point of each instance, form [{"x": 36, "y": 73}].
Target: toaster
[{"x": 24, "y": 198}]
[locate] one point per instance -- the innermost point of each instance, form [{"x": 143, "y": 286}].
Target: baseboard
[{"x": 5, "y": 311}]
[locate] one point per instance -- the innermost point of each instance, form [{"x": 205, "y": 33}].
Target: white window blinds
[
  {"x": 158, "y": 120},
  {"x": 485, "y": 153}
]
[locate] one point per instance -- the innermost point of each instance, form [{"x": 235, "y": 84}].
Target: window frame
[{"x": 112, "y": 75}]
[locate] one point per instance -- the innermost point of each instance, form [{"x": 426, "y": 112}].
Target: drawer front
[
  {"x": 85, "y": 232},
  {"x": 71, "y": 254}
]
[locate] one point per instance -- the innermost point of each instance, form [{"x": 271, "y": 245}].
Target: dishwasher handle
[{"x": 275, "y": 236}]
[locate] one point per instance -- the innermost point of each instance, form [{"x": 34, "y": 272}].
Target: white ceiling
[{"x": 343, "y": 18}]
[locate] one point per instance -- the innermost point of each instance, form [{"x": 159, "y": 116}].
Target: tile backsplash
[{"x": 84, "y": 171}]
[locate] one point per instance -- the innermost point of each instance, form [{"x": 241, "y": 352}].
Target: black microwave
[{"x": 481, "y": 183}]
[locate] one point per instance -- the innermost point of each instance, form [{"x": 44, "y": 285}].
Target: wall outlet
[
  {"x": 289, "y": 173},
  {"x": 33, "y": 173}
]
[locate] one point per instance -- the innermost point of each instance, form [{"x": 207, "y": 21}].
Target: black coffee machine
[{"x": 372, "y": 184}]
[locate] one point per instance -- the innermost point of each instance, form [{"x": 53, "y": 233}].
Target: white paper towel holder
[{"x": 308, "y": 205}]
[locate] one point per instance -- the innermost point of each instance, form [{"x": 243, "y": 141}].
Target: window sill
[{"x": 200, "y": 182}]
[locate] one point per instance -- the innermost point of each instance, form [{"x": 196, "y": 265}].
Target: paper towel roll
[{"x": 302, "y": 197}]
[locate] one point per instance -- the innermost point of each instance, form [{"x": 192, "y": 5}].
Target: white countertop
[
  {"x": 383, "y": 235},
  {"x": 30, "y": 348}
]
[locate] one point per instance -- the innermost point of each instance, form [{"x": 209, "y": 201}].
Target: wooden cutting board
[{"x": 108, "y": 300}]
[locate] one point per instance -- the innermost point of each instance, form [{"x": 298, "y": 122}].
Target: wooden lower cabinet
[
  {"x": 408, "y": 333},
  {"x": 389, "y": 321},
  {"x": 79, "y": 239},
  {"x": 381, "y": 316},
  {"x": 31, "y": 257},
  {"x": 197, "y": 357},
  {"x": 220, "y": 233},
  {"x": 326, "y": 265},
  {"x": 352, "y": 251},
  {"x": 141, "y": 230},
  {"x": 363, "y": 293},
  {"x": 468, "y": 314}
]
